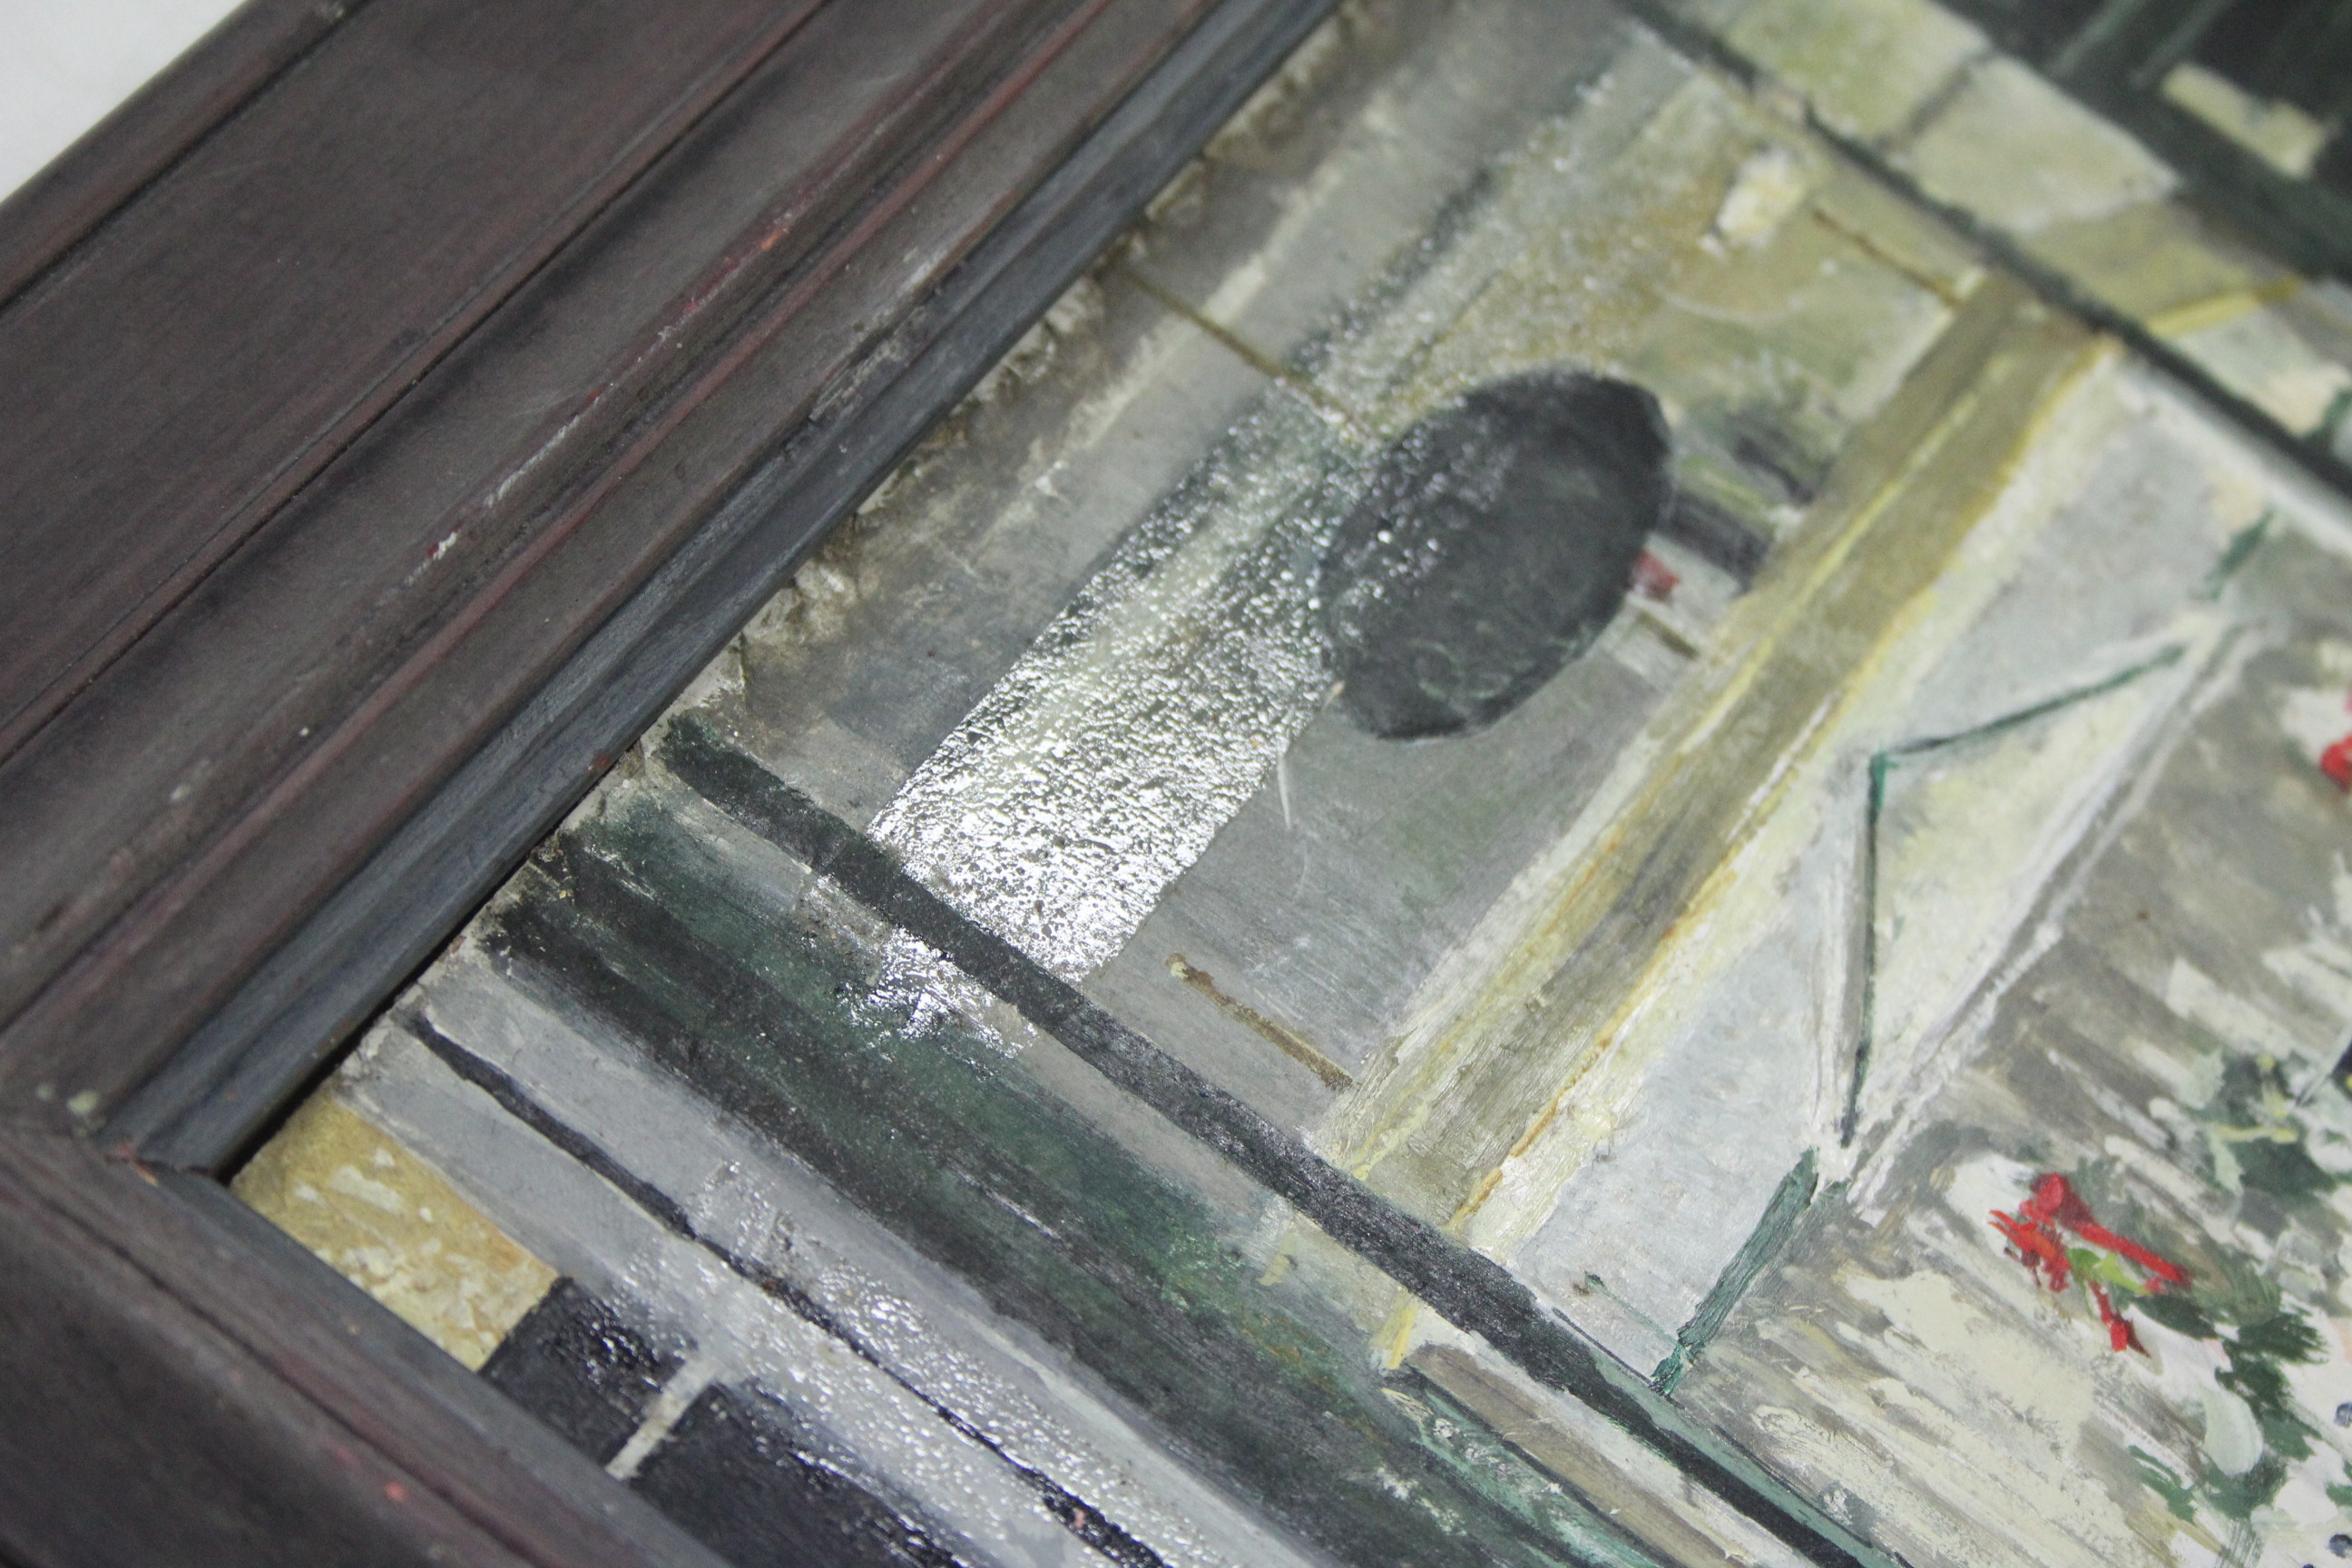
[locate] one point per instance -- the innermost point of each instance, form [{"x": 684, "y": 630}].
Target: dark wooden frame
[{"x": 337, "y": 579}]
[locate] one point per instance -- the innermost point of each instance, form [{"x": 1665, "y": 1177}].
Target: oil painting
[{"x": 1603, "y": 815}]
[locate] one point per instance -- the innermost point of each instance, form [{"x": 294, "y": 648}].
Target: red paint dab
[
  {"x": 2032, "y": 1232},
  {"x": 2337, "y": 763},
  {"x": 2121, "y": 1335},
  {"x": 1653, "y": 578}
]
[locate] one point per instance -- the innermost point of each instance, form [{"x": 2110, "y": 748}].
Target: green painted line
[
  {"x": 2245, "y": 541},
  {"x": 1790, "y": 1202},
  {"x": 1882, "y": 764}
]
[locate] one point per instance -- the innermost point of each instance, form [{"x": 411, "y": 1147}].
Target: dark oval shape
[{"x": 1497, "y": 538}]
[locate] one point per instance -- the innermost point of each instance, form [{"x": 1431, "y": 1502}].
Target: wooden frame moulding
[{"x": 401, "y": 401}]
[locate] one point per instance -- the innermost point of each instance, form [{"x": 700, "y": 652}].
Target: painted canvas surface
[{"x": 1600, "y": 817}]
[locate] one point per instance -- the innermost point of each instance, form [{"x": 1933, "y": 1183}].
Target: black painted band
[
  {"x": 1079, "y": 1517},
  {"x": 1467, "y": 1288}
]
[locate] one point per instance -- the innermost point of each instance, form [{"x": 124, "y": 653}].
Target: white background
[{"x": 65, "y": 63}]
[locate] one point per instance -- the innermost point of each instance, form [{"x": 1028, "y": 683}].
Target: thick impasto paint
[{"x": 1603, "y": 816}]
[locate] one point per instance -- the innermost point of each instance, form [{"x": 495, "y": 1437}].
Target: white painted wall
[{"x": 64, "y": 63}]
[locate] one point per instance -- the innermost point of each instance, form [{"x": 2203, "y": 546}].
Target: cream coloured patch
[
  {"x": 2019, "y": 153},
  {"x": 2281, "y": 134},
  {"x": 2197, "y": 997},
  {"x": 390, "y": 1224},
  {"x": 1769, "y": 188},
  {"x": 2258, "y": 354},
  {"x": 1867, "y": 66}
]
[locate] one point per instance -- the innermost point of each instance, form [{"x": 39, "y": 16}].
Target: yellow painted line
[
  {"x": 1823, "y": 722},
  {"x": 2217, "y": 309}
]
